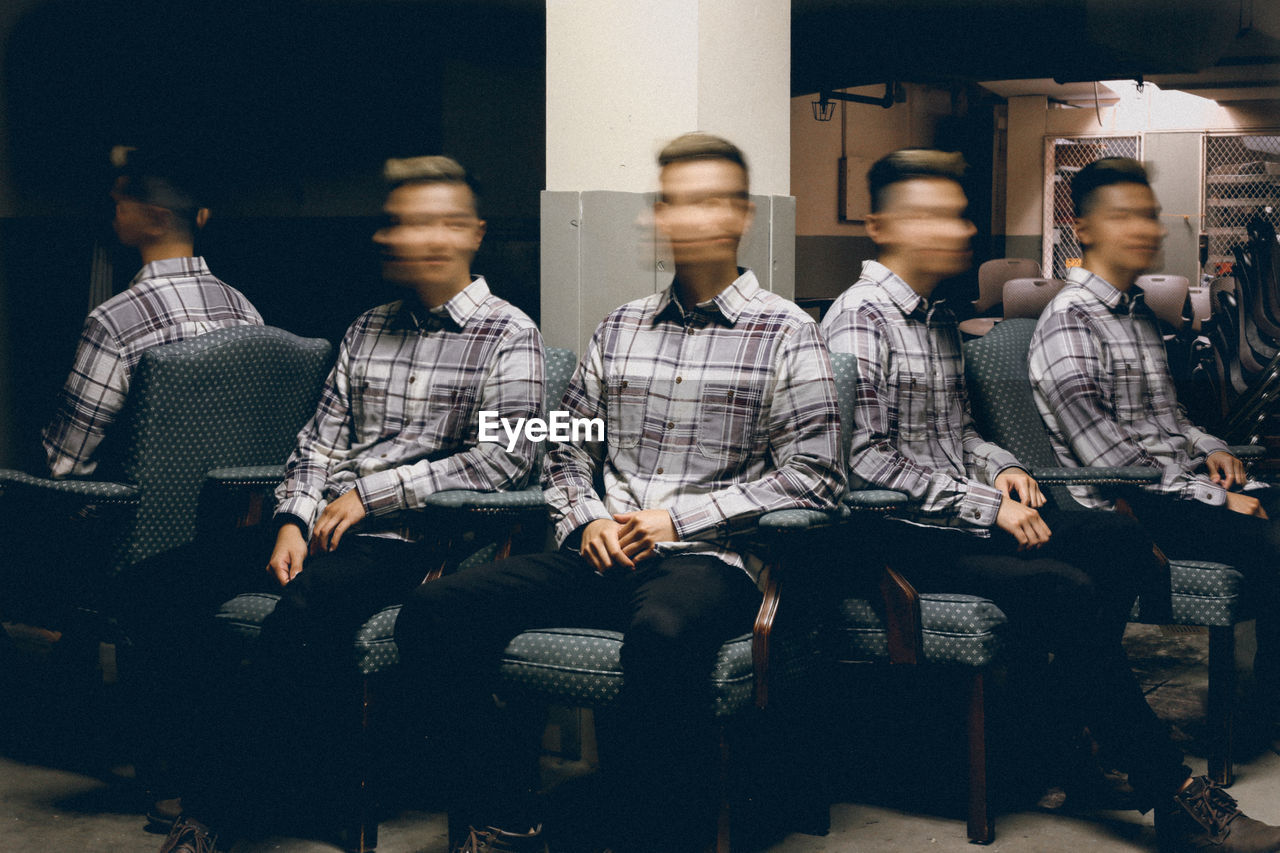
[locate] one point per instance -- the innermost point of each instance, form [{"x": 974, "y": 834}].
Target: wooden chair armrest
[
  {"x": 902, "y": 617},
  {"x": 762, "y": 633}
]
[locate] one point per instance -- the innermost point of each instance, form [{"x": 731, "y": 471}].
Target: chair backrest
[
  {"x": 1004, "y": 410},
  {"x": 845, "y": 367},
  {"x": 1165, "y": 295},
  {"x": 994, "y": 273},
  {"x": 231, "y": 397},
  {"x": 1027, "y": 297},
  {"x": 560, "y": 364}
]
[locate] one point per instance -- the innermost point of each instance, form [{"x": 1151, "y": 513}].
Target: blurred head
[
  {"x": 919, "y": 214},
  {"x": 702, "y": 207},
  {"x": 1117, "y": 217},
  {"x": 157, "y": 197},
  {"x": 432, "y": 228}
]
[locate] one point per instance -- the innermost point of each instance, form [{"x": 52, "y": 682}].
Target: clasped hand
[{"x": 626, "y": 539}]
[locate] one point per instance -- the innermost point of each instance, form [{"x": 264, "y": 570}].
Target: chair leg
[
  {"x": 981, "y": 830},
  {"x": 722, "y": 828},
  {"x": 1222, "y": 702},
  {"x": 362, "y": 835}
]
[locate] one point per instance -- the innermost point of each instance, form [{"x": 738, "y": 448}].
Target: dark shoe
[
  {"x": 164, "y": 813},
  {"x": 189, "y": 836},
  {"x": 494, "y": 840},
  {"x": 1202, "y": 816}
]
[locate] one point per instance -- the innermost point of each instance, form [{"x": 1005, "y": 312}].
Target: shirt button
[
  {"x": 411, "y": 379},
  {"x": 671, "y": 424},
  {"x": 688, "y": 330},
  {"x": 977, "y": 513},
  {"x": 659, "y": 470},
  {"x": 679, "y": 380},
  {"x": 624, "y": 383}
]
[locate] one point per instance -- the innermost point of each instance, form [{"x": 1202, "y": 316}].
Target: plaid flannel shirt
[
  {"x": 168, "y": 301},
  {"x": 717, "y": 413},
  {"x": 912, "y": 428},
  {"x": 1101, "y": 381},
  {"x": 398, "y": 418}
]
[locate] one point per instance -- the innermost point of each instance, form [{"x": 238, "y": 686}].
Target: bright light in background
[{"x": 1146, "y": 105}]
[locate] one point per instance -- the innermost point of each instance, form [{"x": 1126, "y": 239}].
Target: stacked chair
[
  {"x": 992, "y": 276},
  {"x": 1027, "y": 297},
  {"x": 1225, "y": 349},
  {"x": 235, "y": 396}
]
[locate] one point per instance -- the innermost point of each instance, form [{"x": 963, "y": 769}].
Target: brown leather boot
[{"x": 1202, "y": 816}]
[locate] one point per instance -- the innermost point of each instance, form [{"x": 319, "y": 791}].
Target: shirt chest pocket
[
  {"x": 628, "y": 401},
  {"x": 914, "y": 407},
  {"x": 448, "y": 411},
  {"x": 1128, "y": 392},
  {"x": 728, "y": 419}
]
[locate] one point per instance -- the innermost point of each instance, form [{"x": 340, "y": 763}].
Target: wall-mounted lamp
[{"x": 824, "y": 109}]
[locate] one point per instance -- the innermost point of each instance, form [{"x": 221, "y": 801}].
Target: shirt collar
[
  {"x": 454, "y": 314},
  {"x": 907, "y": 300},
  {"x": 1103, "y": 290},
  {"x": 167, "y": 267},
  {"x": 728, "y": 304}
]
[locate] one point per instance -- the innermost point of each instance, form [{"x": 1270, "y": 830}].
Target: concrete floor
[{"x": 59, "y": 790}]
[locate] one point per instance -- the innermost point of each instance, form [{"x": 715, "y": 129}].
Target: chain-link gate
[
  {"x": 1241, "y": 181},
  {"x": 1064, "y": 156}
]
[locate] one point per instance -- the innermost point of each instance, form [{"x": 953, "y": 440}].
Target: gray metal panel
[
  {"x": 784, "y": 246},
  {"x": 616, "y": 256},
  {"x": 755, "y": 251},
  {"x": 1174, "y": 162},
  {"x": 561, "y": 281}
]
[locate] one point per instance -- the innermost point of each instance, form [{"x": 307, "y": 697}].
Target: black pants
[
  {"x": 1191, "y": 530},
  {"x": 1071, "y": 598},
  {"x": 288, "y": 720},
  {"x": 674, "y": 612}
]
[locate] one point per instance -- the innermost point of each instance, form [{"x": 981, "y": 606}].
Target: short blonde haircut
[
  {"x": 431, "y": 169},
  {"x": 702, "y": 146}
]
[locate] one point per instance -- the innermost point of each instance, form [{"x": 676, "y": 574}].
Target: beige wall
[
  {"x": 871, "y": 132},
  {"x": 623, "y": 78}
]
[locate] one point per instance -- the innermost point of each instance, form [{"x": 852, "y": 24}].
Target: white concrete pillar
[{"x": 623, "y": 78}]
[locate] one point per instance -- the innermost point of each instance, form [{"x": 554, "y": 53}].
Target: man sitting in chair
[
  {"x": 173, "y": 297},
  {"x": 1065, "y": 579},
  {"x": 398, "y": 420},
  {"x": 1101, "y": 380},
  {"x": 719, "y": 405}
]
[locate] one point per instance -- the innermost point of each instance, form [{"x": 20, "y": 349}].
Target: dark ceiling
[{"x": 842, "y": 43}]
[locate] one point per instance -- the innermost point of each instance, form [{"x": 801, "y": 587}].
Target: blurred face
[
  {"x": 430, "y": 235},
  {"x": 923, "y": 226},
  {"x": 133, "y": 218},
  {"x": 703, "y": 210},
  {"x": 1122, "y": 231}
]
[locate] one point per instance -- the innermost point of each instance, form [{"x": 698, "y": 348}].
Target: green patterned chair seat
[
  {"x": 1203, "y": 593},
  {"x": 240, "y": 623},
  {"x": 582, "y": 667},
  {"x": 241, "y": 618},
  {"x": 955, "y": 629}
]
